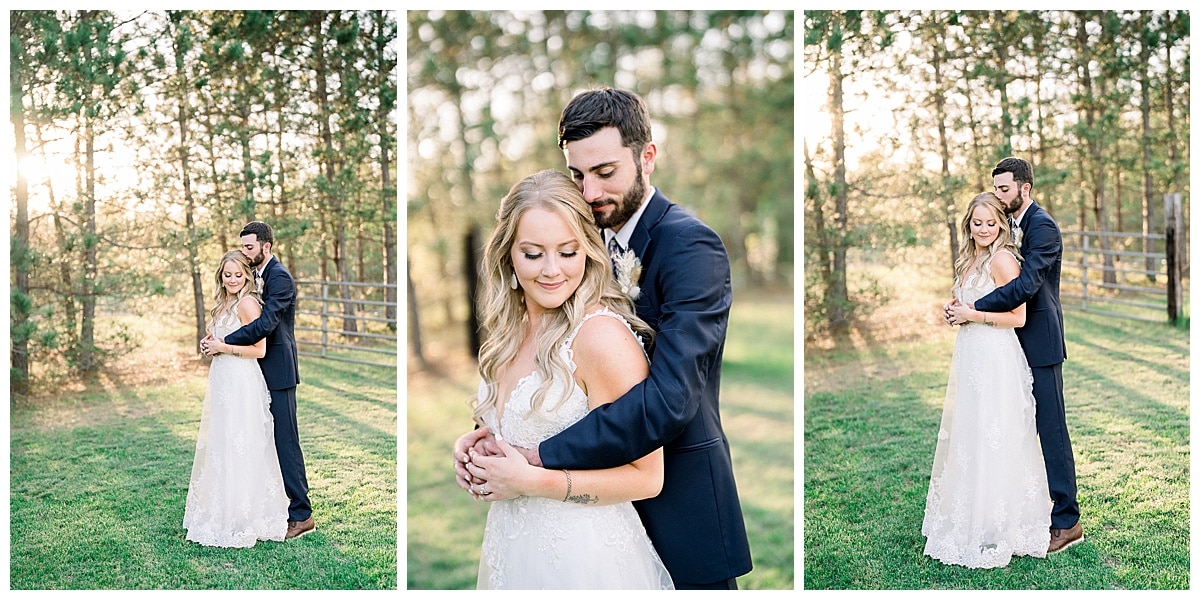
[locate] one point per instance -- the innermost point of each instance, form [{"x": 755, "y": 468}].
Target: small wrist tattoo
[{"x": 583, "y": 499}]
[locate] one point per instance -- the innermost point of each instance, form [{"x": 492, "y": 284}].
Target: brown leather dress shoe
[
  {"x": 299, "y": 528},
  {"x": 1061, "y": 539}
]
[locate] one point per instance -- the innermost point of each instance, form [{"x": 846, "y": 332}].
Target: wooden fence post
[
  {"x": 324, "y": 318},
  {"x": 1174, "y": 250},
  {"x": 1084, "y": 269}
]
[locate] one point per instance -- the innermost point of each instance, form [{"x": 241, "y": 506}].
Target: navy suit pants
[
  {"x": 291, "y": 459},
  {"x": 1056, "y": 445}
]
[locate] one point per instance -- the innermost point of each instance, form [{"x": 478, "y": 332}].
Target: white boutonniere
[{"x": 629, "y": 272}]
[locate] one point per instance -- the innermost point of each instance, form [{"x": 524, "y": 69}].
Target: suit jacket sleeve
[
  {"x": 274, "y": 304},
  {"x": 1045, "y": 245},
  {"x": 694, "y": 298}
]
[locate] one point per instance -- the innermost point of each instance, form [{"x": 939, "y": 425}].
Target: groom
[
  {"x": 1041, "y": 337},
  {"x": 696, "y": 521},
  {"x": 279, "y": 366}
]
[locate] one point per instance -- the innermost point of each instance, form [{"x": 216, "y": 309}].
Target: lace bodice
[
  {"x": 523, "y": 427},
  {"x": 542, "y": 543},
  {"x": 976, "y": 284},
  {"x": 226, "y": 323}
]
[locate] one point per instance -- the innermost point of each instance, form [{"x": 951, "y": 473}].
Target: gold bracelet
[{"x": 568, "y": 485}]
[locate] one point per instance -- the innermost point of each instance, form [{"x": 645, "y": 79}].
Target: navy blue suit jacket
[
  {"x": 696, "y": 522},
  {"x": 1043, "y": 336},
  {"x": 277, "y": 323}
]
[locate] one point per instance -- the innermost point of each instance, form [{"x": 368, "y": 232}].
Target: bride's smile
[{"x": 547, "y": 259}]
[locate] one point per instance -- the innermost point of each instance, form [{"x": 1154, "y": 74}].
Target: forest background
[
  {"x": 485, "y": 91},
  {"x": 905, "y": 115},
  {"x": 145, "y": 140},
  {"x": 908, "y": 111},
  {"x": 142, "y": 142}
]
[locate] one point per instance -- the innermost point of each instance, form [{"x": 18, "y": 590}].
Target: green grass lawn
[
  {"x": 99, "y": 479},
  {"x": 871, "y": 417},
  {"x": 445, "y": 527}
]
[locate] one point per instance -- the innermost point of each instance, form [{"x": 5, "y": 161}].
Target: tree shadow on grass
[
  {"x": 100, "y": 506},
  {"x": 869, "y": 446}
]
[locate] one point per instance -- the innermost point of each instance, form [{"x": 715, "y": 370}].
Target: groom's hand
[{"x": 531, "y": 455}]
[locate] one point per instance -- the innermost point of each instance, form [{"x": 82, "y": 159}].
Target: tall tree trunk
[
  {"x": 183, "y": 118},
  {"x": 1002, "y": 54},
  {"x": 285, "y": 255},
  {"x": 248, "y": 206},
  {"x": 332, "y": 201},
  {"x": 837, "y": 296},
  {"x": 21, "y": 306},
  {"x": 388, "y": 194},
  {"x": 812, "y": 190},
  {"x": 939, "y": 103},
  {"x": 415, "y": 345},
  {"x": 87, "y": 333},
  {"x": 387, "y": 102}
]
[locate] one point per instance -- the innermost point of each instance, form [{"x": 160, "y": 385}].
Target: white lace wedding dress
[
  {"x": 236, "y": 495},
  {"x": 539, "y": 543},
  {"x": 988, "y": 499}
]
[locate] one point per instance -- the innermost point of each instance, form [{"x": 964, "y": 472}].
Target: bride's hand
[
  {"x": 505, "y": 475},
  {"x": 471, "y": 439},
  {"x": 960, "y": 314},
  {"x": 947, "y": 315}
]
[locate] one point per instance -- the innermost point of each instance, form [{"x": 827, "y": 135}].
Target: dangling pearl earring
[{"x": 512, "y": 283}]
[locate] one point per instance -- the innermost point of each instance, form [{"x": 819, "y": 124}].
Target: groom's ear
[{"x": 649, "y": 153}]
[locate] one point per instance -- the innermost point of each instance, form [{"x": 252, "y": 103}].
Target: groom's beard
[
  {"x": 626, "y": 206},
  {"x": 1011, "y": 208}
]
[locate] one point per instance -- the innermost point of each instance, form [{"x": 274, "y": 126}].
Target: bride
[
  {"x": 236, "y": 496},
  {"x": 562, "y": 341},
  {"x": 988, "y": 499}
]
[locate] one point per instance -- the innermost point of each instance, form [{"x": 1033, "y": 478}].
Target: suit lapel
[
  {"x": 1033, "y": 207},
  {"x": 1024, "y": 225},
  {"x": 640, "y": 240}
]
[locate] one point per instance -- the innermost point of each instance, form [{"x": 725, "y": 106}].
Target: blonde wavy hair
[
  {"x": 968, "y": 251},
  {"x": 504, "y": 314},
  {"x": 221, "y": 296}
]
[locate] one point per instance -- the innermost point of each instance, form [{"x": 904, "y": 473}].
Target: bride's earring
[{"x": 512, "y": 283}]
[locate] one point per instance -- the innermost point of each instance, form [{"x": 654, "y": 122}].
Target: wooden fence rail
[
  {"x": 1097, "y": 278},
  {"x": 368, "y": 321}
]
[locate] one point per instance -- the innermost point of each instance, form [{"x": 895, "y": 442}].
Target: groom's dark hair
[
  {"x": 594, "y": 110},
  {"x": 260, "y": 229},
  {"x": 1020, "y": 169}
]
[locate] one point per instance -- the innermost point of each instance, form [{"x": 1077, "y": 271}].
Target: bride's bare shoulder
[
  {"x": 248, "y": 309},
  {"x": 1005, "y": 267}
]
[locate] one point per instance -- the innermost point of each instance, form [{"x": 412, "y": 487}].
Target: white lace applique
[
  {"x": 235, "y": 496},
  {"x": 540, "y": 543},
  {"x": 988, "y": 499}
]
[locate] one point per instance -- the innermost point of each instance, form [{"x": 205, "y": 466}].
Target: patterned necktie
[
  {"x": 614, "y": 250},
  {"x": 1017, "y": 234}
]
